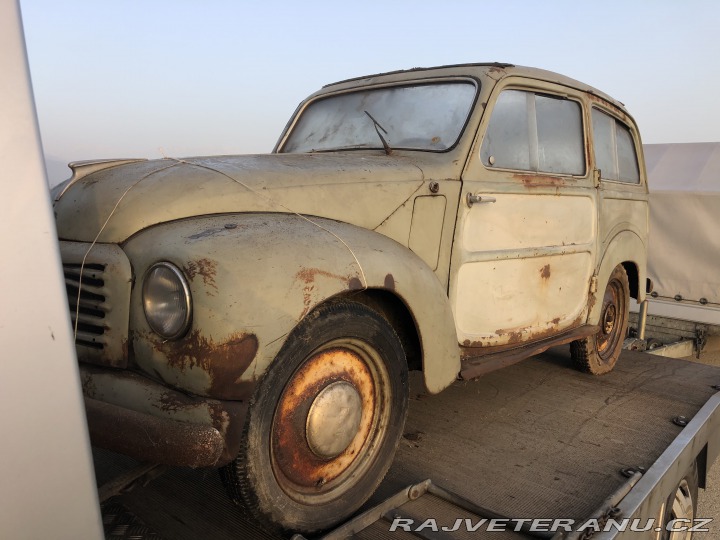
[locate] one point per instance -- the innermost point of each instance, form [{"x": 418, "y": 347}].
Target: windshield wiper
[{"x": 378, "y": 127}]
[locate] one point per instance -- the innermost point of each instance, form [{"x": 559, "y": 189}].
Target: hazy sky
[{"x": 178, "y": 78}]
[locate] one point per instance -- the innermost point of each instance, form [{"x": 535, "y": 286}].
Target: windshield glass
[{"x": 421, "y": 117}]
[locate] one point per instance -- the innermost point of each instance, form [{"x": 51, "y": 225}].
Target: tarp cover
[{"x": 684, "y": 256}]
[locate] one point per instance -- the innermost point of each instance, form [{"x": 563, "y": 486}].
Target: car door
[{"x": 525, "y": 240}]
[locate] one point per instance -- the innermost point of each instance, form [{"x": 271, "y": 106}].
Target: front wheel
[
  {"x": 598, "y": 354},
  {"x": 323, "y": 426}
]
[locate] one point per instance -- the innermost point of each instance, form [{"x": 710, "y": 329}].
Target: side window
[
  {"x": 535, "y": 132},
  {"x": 614, "y": 149}
]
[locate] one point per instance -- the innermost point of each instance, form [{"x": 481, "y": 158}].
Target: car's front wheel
[{"x": 324, "y": 423}]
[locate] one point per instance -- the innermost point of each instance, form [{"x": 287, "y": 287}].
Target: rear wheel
[
  {"x": 324, "y": 423},
  {"x": 598, "y": 354}
]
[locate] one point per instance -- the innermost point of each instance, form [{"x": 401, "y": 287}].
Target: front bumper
[{"x": 150, "y": 422}]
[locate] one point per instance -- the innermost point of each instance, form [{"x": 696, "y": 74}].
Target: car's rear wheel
[
  {"x": 598, "y": 354},
  {"x": 324, "y": 423}
]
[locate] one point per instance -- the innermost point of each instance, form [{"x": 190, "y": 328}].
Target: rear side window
[
  {"x": 615, "y": 154},
  {"x": 535, "y": 132}
]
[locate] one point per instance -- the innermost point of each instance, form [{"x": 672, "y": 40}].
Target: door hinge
[
  {"x": 597, "y": 174},
  {"x": 593, "y": 284}
]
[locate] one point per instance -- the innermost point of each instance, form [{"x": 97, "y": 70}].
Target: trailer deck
[{"x": 534, "y": 440}]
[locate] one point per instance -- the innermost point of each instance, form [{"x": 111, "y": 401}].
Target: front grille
[
  {"x": 87, "y": 315},
  {"x": 99, "y": 302}
]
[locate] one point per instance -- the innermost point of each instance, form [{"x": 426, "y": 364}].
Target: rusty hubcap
[
  {"x": 330, "y": 421},
  {"x": 334, "y": 419}
]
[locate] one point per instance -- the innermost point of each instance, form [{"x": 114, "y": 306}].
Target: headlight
[{"x": 166, "y": 300}]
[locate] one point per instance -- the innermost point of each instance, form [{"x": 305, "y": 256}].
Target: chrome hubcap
[{"x": 333, "y": 420}]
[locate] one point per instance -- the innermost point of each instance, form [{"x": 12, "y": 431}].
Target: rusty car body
[{"x": 484, "y": 212}]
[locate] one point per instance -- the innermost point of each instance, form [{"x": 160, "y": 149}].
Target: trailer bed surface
[{"x": 534, "y": 440}]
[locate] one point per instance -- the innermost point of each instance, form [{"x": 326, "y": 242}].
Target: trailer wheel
[
  {"x": 681, "y": 507},
  {"x": 598, "y": 354},
  {"x": 324, "y": 423}
]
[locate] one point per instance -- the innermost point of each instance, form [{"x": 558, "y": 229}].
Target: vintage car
[{"x": 260, "y": 313}]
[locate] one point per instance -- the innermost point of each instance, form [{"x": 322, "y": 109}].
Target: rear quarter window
[{"x": 614, "y": 146}]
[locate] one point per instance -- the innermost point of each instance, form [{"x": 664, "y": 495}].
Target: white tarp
[{"x": 684, "y": 255}]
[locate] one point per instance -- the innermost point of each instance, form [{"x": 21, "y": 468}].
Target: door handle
[{"x": 472, "y": 199}]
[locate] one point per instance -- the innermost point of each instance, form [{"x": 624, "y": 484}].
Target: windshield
[{"x": 421, "y": 117}]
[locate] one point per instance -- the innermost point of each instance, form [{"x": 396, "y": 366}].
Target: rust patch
[
  {"x": 556, "y": 320},
  {"x": 206, "y": 269},
  {"x": 172, "y": 402},
  {"x": 390, "y": 282},
  {"x": 295, "y": 460},
  {"x": 308, "y": 277},
  {"x": 545, "y": 272},
  {"x": 224, "y": 362},
  {"x": 514, "y": 336},
  {"x": 537, "y": 180}
]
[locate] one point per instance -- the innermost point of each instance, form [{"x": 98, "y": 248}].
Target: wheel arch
[
  {"x": 626, "y": 249},
  {"x": 397, "y": 313}
]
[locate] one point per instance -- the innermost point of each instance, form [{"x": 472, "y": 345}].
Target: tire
[
  {"x": 290, "y": 474},
  {"x": 681, "y": 505},
  {"x": 598, "y": 354}
]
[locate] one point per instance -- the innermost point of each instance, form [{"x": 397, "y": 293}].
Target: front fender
[{"x": 253, "y": 277}]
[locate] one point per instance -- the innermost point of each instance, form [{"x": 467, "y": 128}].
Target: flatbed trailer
[{"x": 537, "y": 440}]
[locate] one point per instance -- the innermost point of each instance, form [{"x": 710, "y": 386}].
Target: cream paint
[
  {"x": 520, "y": 295},
  {"x": 427, "y": 227},
  {"x": 518, "y": 221}
]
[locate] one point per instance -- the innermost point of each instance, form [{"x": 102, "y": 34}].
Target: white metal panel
[{"x": 48, "y": 484}]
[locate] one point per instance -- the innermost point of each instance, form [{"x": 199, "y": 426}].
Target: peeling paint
[{"x": 205, "y": 268}]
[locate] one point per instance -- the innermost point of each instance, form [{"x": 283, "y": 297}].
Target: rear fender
[{"x": 626, "y": 246}]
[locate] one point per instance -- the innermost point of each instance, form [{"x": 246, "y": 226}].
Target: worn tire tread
[
  {"x": 238, "y": 475},
  {"x": 583, "y": 351}
]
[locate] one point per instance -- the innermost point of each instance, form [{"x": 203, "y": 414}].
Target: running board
[{"x": 482, "y": 364}]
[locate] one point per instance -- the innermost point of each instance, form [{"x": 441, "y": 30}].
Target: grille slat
[
  {"x": 90, "y": 340},
  {"x": 84, "y": 318},
  {"x": 99, "y": 301},
  {"x": 93, "y": 306},
  {"x": 87, "y": 288}
]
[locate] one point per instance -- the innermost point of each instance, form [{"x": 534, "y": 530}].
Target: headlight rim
[{"x": 185, "y": 326}]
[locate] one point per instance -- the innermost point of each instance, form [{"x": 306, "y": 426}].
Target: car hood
[{"x": 115, "y": 202}]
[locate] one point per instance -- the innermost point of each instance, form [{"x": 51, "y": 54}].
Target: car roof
[{"x": 496, "y": 70}]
